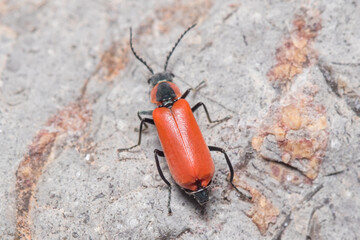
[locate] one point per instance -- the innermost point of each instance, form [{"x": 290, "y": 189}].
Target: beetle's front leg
[
  {"x": 143, "y": 121},
  {"x": 200, "y": 85}
]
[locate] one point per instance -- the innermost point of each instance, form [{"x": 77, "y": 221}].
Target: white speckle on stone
[
  {"x": 121, "y": 125},
  {"x": 119, "y": 226},
  {"x": 88, "y": 65},
  {"x": 133, "y": 222},
  {"x": 348, "y": 194},
  {"x": 51, "y": 52},
  {"x": 89, "y": 158},
  {"x": 257, "y": 16},
  {"x": 147, "y": 178},
  {"x": 289, "y": 178},
  {"x": 98, "y": 228},
  {"x": 335, "y": 143}
]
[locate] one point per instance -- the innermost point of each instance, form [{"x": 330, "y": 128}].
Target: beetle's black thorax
[{"x": 165, "y": 94}]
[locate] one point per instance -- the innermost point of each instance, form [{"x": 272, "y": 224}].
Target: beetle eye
[
  {"x": 172, "y": 75},
  {"x": 149, "y": 80}
]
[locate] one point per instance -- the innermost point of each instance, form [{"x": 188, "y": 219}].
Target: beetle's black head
[
  {"x": 159, "y": 77},
  {"x": 201, "y": 195}
]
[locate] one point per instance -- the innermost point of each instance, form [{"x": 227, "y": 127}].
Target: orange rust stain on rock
[
  {"x": 184, "y": 12},
  {"x": 263, "y": 212},
  {"x": 114, "y": 59},
  {"x": 290, "y": 117},
  {"x": 299, "y": 148},
  {"x": 73, "y": 118},
  {"x": 296, "y": 52},
  {"x": 27, "y": 176},
  {"x": 256, "y": 142},
  {"x": 285, "y": 175},
  {"x": 299, "y": 127}
]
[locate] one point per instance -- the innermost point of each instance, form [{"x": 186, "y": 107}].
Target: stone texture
[{"x": 70, "y": 90}]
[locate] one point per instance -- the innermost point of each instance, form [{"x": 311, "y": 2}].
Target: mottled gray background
[{"x": 50, "y": 50}]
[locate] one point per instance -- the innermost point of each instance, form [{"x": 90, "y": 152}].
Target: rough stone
[{"x": 70, "y": 90}]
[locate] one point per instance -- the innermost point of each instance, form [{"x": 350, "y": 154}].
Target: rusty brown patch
[
  {"x": 285, "y": 175},
  {"x": 114, "y": 59},
  {"x": 295, "y": 132},
  {"x": 296, "y": 52},
  {"x": 27, "y": 176},
  {"x": 184, "y": 13},
  {"x": 73, "y": 118},
  {"x": 263, "y": 212}
]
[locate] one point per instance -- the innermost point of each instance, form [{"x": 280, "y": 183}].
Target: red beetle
[{"x": 184, "y": 147}]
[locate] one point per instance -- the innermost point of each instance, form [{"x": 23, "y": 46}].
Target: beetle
[{"x": 187, "y": 155}]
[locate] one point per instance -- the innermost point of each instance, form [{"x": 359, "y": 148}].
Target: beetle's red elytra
[{"x": 186, "y": 152}]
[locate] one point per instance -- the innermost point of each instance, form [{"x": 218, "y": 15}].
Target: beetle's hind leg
[
  {"x": 143, "y": 121},
  {"x": 161, "y": 154},
  {"x": 217, "y": 149},
  {"x": 199, "y": 104}
]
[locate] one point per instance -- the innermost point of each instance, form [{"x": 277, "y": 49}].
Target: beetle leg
[
  {"x": 143, "y": 121},
  {"x": 149, "y": 112},
  {"x": 186, "y": 93},
  {"x": 199, "y": 104},
  {"x": 217, "y": 149},
  {"x": 161, "y": 154},
  {"x": 200, "y": 85}
]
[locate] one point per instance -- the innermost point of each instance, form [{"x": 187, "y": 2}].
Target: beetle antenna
[
  {"x": 177, "y": 42},
  {"x": 138, "y": 58}
]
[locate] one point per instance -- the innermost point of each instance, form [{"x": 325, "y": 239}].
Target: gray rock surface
[{"x": 70, "y": 90}]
